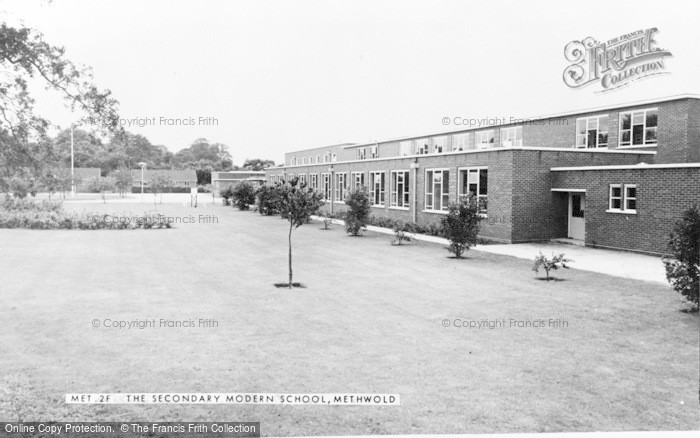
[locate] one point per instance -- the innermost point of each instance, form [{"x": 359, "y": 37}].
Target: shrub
[
  {"x": 46, "y": 220},
  {"x": 401, "y": 231},
  {"x": 243, "y": 195},
  {"x": 20, "y": 187},
  {"x": 268, "y": 200},
  {"x": 227, "y": 194},
  {"x": 100, "y": 185},
  {"x": 557, "y": 261},
  {"x": 683, "y": 270},
  {"x": 461, "y": 225},
  {"x": 358, "y": 212}
]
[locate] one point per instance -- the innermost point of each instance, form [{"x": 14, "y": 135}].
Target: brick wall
[{"x": 662, "y": 196}]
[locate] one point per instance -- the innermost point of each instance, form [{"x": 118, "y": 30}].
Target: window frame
[
  {"x": 517, "y": 132},
  {"x": 584, "y": 136},
  {"x": 373, "y": 187},
  {"x": 430, "y": 185},
  {"x": 479, "y": 144},
  {"x": 326, "y": 189},
  {"x": 361, "y": 153},
  {"x": 394, "y": 201},
  {"x": 354, "y": 178},
  {"x": 460, "y": 185},
  {"x": 622, "y": 144},
  {"x": 340, "y": 187}
]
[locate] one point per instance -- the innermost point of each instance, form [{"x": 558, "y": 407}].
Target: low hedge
[
  {"x": 174, "y": 189},
  {"x": 53, "y": 220}
]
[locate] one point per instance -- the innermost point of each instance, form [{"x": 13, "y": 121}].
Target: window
[
  {"x": 630, "y": 198},
  {"x": 311, "y": 160},
  {"x": 374, "y": 151},
  {"x": 512, "y": 136},
  {"x": 437, "y": 190},
  {"x": 318, "y": 159},
  {"x": 615, "y": 197},
  {"x": 623, "y": 198},
  {"x": 326, "y": 186},
  {"x": 422, "y": 146},
  {"x": 334, "y": 157},
  {"x": 325, "y": 157},
  {"x": 404, "y": 148},
  {"x": 303, "y": 160},
  {"x": 475, "y": 182},
  {"x": 592, "y": 132},
  {"x": 461, "y": 142},
  {"x": 358, "y": 179},
  {"x": 302, "y": 179},
  {"x": 376, "y": 188},
  {"x": 439, "y": 144},
  {"x": 341, "y": 181},
  {"x": 484, "y": 139},
  {"x": 400, "y": 189},
  {"x": 313, "y": 181},
  {"x": 361, "y": 153},
  {"x": 638, "y": 128}
]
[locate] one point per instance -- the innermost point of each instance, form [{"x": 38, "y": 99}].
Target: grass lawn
[{"x": 370, "y": 320}]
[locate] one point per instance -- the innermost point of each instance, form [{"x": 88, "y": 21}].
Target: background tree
[
  {"x": 461, "y": 225},
  {"x": 159, "y": 183},
  {"x": 257, "y": 164},
  {"x": 297, "y": 204},
  {"x": 123, "y": 181},
  {"x": 24, "y": 55},
  {"x": 683, "y": 270},
  {"x": 357, "y": 215}
]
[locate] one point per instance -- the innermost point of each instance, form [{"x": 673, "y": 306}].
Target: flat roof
[
  {"x": 640, "y": 166},
  {"x": 549, "y": 116}
]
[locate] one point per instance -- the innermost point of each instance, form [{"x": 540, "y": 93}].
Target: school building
[{"x": 613, "y": 177}]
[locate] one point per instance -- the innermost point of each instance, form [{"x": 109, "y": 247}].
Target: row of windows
[
  {"x": 472, "y": 182},
  {"x": 636, "y": 128}
]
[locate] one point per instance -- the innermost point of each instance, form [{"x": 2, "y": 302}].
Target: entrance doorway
[{"x": 577, "y": 213}]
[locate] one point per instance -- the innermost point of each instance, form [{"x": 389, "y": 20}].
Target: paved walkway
[{"x": 616, "y": 263}]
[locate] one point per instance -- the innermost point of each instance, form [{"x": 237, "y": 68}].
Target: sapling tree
[
  {"x": 461, "y": 225},
  {"x": 159, "y": 183},
  {"x": 297, "y": 203},
  {"x": 123, "y": 180},
  {"x": 402, "y": 232},
  {"x": 100, "y": 185},
  {"x": 557, "y": 261},
  {"x": 683, "y": 269}
]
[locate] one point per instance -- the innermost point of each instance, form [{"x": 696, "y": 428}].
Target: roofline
[
  {"x": 547, "y": 116},
  {"x": 640, "y": 166},
  {"x": 473, "y": 151}
]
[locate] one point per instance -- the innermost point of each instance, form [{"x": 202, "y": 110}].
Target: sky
[{"x": 285, "y": 75}]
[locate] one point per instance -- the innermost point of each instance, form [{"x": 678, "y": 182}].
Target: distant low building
[
  {"x": 221, "y": 180},
  {"x": 180, "y": 178}
]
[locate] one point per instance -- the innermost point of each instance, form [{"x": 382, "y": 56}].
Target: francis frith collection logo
[{"x": 614, "y": 63}]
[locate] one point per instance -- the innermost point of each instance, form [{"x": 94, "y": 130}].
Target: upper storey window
[
  {"x": 592, "y": 132},
  {"x": 638, "y": 128},
  {"x": 484, "y": 139},
  {"x": 512, "y": 136}
]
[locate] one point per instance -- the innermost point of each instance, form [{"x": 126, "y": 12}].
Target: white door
[{"x": 577, "y": 220}]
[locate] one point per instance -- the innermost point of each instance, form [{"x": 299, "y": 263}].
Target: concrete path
[{"x": 616, "y": 263}]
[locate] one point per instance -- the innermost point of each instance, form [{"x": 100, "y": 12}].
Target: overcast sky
[{"x": 286, "y": 75}]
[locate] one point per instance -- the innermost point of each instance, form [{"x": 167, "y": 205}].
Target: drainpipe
[
  {"x": 414, "y": 194},
  {"x": 331, "y": 200}
]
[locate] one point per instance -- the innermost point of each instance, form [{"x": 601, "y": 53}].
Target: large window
[
  {"x": 400, "y": 189},
  {"x": 638, "y": 128},
  {"x": 592, "y": 132},
  {"x": 484, "y": 139},
  {"x": 341, "y": 184},
  {"x": 512, "y": 136},
  {"x": 313, "y": 181},
  {"x": 404, "y": 148},
  {"x": 439, "y": 144},
  {"x": 461, "y": 142},
  {"x": 302, "y": 179},
  {"x": 374, "y": 151},
  {"x": 361, "y": 153},
  {"x": 623, "y": 198},
  {"x": 422, "y": 146},
  {"x": 358, "y": 180},
  {"x": 437, "y": 190},
  {"x": 326, "y": 186},
  {"x": 376, "y": 188},
  {"x": 474, "y": 182}
]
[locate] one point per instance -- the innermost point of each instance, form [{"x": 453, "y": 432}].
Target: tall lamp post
[
  {"x": 143, "y": 166},
  {"x": 72, "y": 163}
]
